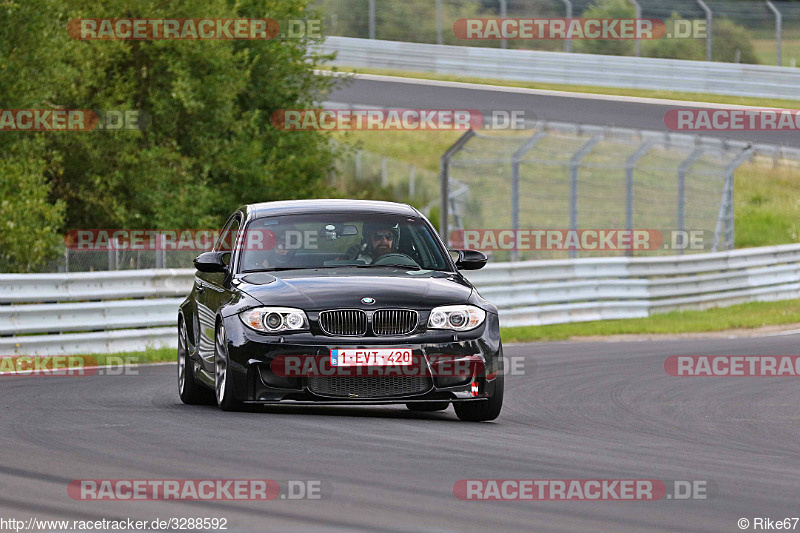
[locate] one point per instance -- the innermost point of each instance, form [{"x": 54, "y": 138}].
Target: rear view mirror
[
  {"x": 469, "y": 259},
  {"x": 212, "y": 261},
  {"x": 332, "y": 232}
]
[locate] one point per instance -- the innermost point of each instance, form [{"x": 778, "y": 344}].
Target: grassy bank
[{"x": 744, "y": 316}]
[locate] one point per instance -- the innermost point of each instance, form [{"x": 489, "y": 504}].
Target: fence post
[
  {"x": 574, "y": 163},
  {"x": 630, "y": 163},
  {"x": 358, "y": 165},
  {"x": 66, "y": 260},
  {"x": 638, "y": 15},
  {"x": 682, "y": 170},
  {"x": 516, "y": 158},
  {"x": 568, "y": 42},
  {"x": 725, "y": 216},
  {"x": 444, "y": 185},
  {"x": 709, "y": 19},
  {"x": 412, "y": 186},
  {"x": 384, "y": 176},
  {"x": 371, "y": 19},
  {"x": 503, "y": 14},
  {"x": 778, "y": 26},
  {"x": 439, "y": 39}
]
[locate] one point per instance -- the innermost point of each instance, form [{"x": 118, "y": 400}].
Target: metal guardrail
[
  {"x": 568, "y": 68},
  {"x": 90, "y": 312},
  {"x": 21, "y": 288},
  {"x": 527, "y": 293},
  {"x": 551, "y": 292}
]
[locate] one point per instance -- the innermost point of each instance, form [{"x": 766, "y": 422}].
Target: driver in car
[{"x": 378, "y": 239}]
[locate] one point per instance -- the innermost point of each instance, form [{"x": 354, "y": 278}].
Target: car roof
[{"x": 292, "y": 207}]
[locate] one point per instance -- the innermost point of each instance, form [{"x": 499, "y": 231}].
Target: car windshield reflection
[{"x": 304, "y": 242}]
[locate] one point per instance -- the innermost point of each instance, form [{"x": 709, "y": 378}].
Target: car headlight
[
  {"x": 274, "y": 319},
  {"x": 456, "y": 317}
]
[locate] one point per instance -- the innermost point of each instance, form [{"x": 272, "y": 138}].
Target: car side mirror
[
  {"x": 469, "y": 259},
  {"x": 212, "y": 262}
]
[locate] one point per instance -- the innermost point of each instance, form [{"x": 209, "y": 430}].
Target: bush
[
  {"x": 608, "y": 9},
  {"x": 727, "y": 38},
  {"x": 29, "y": 222}
]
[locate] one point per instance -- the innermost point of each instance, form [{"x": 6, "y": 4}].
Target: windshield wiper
[
  {"x": 395, "y": 265},
  {"x": 278, "y": 269}
]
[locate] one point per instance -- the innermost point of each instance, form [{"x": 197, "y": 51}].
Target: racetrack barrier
[
  {"x": 651, "y": 73},
  {"x": 102, "y": 312}
]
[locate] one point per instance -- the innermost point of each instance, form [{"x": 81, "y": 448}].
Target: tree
[{"x": 209, "y": 145}]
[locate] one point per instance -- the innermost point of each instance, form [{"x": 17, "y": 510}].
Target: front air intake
[{"x": 346, "y": 322}]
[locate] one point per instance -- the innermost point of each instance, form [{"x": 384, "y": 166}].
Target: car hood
[{"x": 337, "y": 289}]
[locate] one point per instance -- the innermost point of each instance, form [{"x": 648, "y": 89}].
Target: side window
[{"x": 227, "y": 239}]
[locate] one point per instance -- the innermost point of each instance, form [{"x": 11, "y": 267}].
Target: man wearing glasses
[{"x": 378, "y": 239}]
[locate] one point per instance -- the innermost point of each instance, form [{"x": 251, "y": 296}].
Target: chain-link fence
[
  {"x": 773, "y": 27},
  {"x": 559, "y": 180},
  {"x": 116, "y": 258},
  {"x": 363, "y": 174},
  {"x": 359, "y": 174}
]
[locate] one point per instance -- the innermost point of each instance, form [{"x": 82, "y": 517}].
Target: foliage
[
  {"x": 728, "y": 37},
  {"x": 209, "y": 145},
  {"x": 29, "y": 222},
  {"x": 603, "y": 9},
  {"x": 406, "y": 20}
]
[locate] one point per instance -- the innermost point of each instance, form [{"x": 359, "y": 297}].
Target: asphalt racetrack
[
  {"x": 385, "y": 92},
  {"x": 605, "y": 410}
]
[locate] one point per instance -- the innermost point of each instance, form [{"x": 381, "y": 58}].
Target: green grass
[
  {"x": 766, "y": 205},
  {"x": 765, "y": 48},
  {"x": 614, "y": 91},
  {"x": 422, "y": 149},
  {"x": 743, "y": 316},
  {"x": 150, "y": 355}
]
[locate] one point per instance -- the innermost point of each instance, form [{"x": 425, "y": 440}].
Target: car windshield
[{"x": 327, "y": 240}]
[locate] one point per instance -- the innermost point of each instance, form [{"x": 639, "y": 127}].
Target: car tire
[
  {"x": 223, "y": 384},
  {"x": 427, "y": 407},
  {"x": 482, "y": 411},
  {"x": 190, "y": 392}
]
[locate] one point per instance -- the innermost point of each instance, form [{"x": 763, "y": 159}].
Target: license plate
[{"x": 371, "y": 357}]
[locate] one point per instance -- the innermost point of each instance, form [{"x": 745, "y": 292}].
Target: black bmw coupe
[{"x": 338, "y": 302}]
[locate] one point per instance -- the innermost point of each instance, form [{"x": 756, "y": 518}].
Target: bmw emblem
[{"x": 367, "y": 300}]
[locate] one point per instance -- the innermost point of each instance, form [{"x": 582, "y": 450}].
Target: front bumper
[{"x": 252, "y": 357}]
